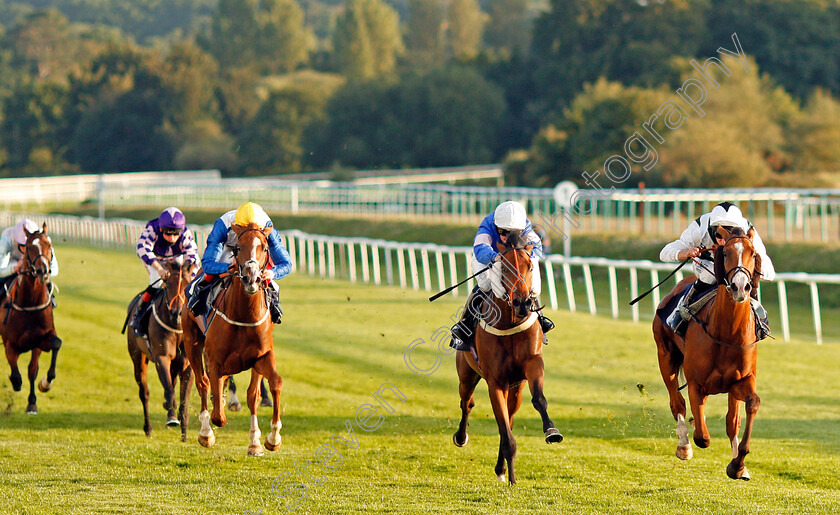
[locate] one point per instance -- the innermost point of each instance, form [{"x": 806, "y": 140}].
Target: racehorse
[
  {"x": 164, "y": 346},
  {"x": 509, "y": 351},
  {"x": 718, "y": 354},
  {"x": 26, "y": 316},
  {"x": 239, "y": 337}
]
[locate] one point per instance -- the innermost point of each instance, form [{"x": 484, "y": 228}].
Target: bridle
[
  {"x": 239, "y": 272},
  {"x": 508, "y": 298},
  {"x": 730, "y": 273},
  {"x": 33, "y": 262}
]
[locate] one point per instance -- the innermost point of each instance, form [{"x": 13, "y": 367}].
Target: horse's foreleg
[
  {"x": 184, "y": 408},
  {"x": 255, "y": 448},
  {"x": 32, "y": 408},
  {"x": 163, "y": 366},
  {"x": 507, "y": 444},
  {"x": 468, "y": 379},
  {"x": 514, "y": 400},
  {"x": 744, "y": 390},
  {"x": 217, "y": 382},
  {"x": 266, "y": 366},
  {"x": 698, "y": 410},
  {"x": 534, "y": 371},
  {"x": 12, "y": 358},
  {"x": 46, "y": 383}
]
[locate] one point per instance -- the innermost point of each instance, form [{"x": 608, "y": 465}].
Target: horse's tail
[{"x": 131, "y": 306}]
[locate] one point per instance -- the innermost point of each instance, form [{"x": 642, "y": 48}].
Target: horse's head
[
  {"x": 37, "y": 255},
  {"x": 737, "y": 264},
  {"x": 516, "y": 273},
  {"x": 251, "y": 254},
  {"x": 180, "y": 273}
]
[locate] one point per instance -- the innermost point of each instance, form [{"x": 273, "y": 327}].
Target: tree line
[{"x": 259, "y": 87}]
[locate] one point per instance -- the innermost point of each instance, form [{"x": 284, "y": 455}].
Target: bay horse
[
  {"x": 164, "y": 345},
  {"x": 509, "y": 352},
  {"x": 239, "y": 337},
  {"x": 718, "y": 354},
  {"x": 26, "y": 316}
]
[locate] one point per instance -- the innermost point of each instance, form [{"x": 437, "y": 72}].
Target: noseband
[{"x": 729, "y": 274}]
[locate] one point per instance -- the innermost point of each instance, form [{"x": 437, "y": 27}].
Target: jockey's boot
[
  {"x": 198, "y": 298},
  {"x": 273, "y": 298},
  {"x": 762, "y": 326},
  {"x": 464, "y": 331},
  {"x": 545, "y": 323},
  {"x": 139, "y": 314},
  {"x": 675, "y": 320}
]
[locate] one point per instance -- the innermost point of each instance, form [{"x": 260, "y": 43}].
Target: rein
[{"x": 163, "y": 324}]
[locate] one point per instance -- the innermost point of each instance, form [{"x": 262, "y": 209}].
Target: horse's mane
[
  {"x": 517, "y": 239},
  {"x": 737, "y": 231}
]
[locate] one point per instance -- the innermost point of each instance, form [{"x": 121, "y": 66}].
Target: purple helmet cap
[{"x": 172, "y": 218}]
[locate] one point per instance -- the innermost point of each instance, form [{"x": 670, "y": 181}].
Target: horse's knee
[
  {"x": 752, "y": 403},
  {"x": 55, "y": 343}
]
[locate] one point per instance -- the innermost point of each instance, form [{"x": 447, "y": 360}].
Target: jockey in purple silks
[
  {"x": 166, "y": 236},
  {"x": 507, "y": 218},
  {"x": 12, "y": 242}
]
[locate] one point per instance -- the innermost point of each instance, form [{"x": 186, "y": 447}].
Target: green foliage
[
  {"x": 424, "y": 32},
  {"x": 447, "y": 117},
  {"x": 272, "y": 142},
  {"x": 367, "y": 40},
  {"x": 466, "y": 23},
  {"x": 508, "y": 26}
]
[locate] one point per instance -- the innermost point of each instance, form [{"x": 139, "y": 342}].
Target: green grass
[{"x": 85, "y": 451}]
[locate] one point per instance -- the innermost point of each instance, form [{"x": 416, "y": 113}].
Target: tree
[
  {"x": 509, "y": 26},
  {"x": 367, "y": 40},
  {"x": 424, "y": 31},
  {"x": 466, "y": 27},
  {"x": 272, "y": 142},
  {"x": 283, "y": 43},
  {"x": 233, "y": 29},
  {"x": 815, "y": 136},
  {"x": 190, "y": 75}
]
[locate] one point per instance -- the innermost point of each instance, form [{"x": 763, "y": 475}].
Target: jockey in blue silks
[
  {"x": 508, "y": 217},
  {"x": 219, "y": 255}
]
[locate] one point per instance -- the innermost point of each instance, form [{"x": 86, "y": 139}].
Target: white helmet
[
  {"x": 728, "y": 215},
  {"x": 18, "y": 233},
  {"x": 510, "y": 216}
]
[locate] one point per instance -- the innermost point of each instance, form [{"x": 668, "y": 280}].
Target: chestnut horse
[
  {"x": 239, "y": 337},
  {"x": 509, "y": 349},
  {"x": 718, "y": 354},
  {"x": 26, "y": 316},
  {"x": 164, "y": 346}
]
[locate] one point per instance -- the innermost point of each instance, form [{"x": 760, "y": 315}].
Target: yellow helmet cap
[{"x": 250, "y": 213}]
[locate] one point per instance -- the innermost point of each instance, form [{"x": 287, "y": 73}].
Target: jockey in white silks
[
  {"x": 12, "y": 251},
  {"x": 696, "y": 242},
  {"x": 508, "y": 217}
]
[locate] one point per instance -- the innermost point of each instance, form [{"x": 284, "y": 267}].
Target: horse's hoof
[
  {"x": 461, "y": 444},
  {"x": 553, "y": 436},
  {"x": 273, "y": 447},
  {"x": 207, "y": 441},
  {"x": 32, "y": 409},
  {"x": 702, "y": 442},
  {"x": 235, "y": 406},
  {"x": 255, "y": 450},
  {"x": 183, "y": 437},
  {"x": 44, "y": 385},
  {"x": 685, "y": 453},
  {"x": 500, "y": 477},
  {"x": 172, "y": 422},
  {"x": 266, "y": 402},
  {"x": 733, "y": 472}
]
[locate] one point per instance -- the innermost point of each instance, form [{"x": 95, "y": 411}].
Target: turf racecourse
[{"x": 85, "y": 451}]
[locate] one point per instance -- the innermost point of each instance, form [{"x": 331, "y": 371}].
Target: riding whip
[
  {"x": 645, "y": 294},
  {"x": 444, "y": 292}
]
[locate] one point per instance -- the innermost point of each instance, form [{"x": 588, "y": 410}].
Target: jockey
[
  {"x": 218, "y": 257},
  {"x": 696, "y": 242},
  {"x": 163, "y": 237},
  {"x": 12, "y": 250},
  {"x": 508, "y": 217}
]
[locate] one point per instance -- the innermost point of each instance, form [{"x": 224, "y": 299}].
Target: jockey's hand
[
  {"x": 266, "y": 275},
  {"x": 690, "y": 253},
  {"x": 18, "y": 266},
  {"x": 497, "y": 258},
  {"x": 162, "y": 272}
]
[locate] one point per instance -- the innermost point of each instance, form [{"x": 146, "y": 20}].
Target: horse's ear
[
  {"x": 27, "y": 233},
  {"x": 723, "y": 232},
  {"x": 751, "y": 234},
  {"x": 720, "y": 267},
  {"x": 237, "y": 229},
  {"x": 501, "y": 247},
  {"x": 44, "y": 228},
  {"x": 268, "y": 230},
  {"x": 756, "y": 277},
  {"x": 529, "y": 247}
]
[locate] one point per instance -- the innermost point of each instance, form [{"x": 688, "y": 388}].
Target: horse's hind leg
[
  {"x": 140, "y": 366},
  {"x": 744, "y": 390},
  {"x": 186, "y": 387},
  {"x": 46, "y": 383},
  {"x": 266, "y": 366},
  {"x": 670, "y": 362},
  {"x": 534, "y": 372},
  {"x": 164, "y": 366},
  {"x": 32, "y": 408},
  {"x": 468, "y": 379},
  {"x": 514, "y": 400},
  {"x": 234, "y": 404}
]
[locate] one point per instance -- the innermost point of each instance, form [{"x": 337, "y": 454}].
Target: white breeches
[
  {"x": 154, "y": 277},
  {"x": 707, "y": 276},
  {"x": 485, "y": 280}
]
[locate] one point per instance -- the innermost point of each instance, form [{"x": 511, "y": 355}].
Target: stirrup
[{"x": 545, "y": 323}]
